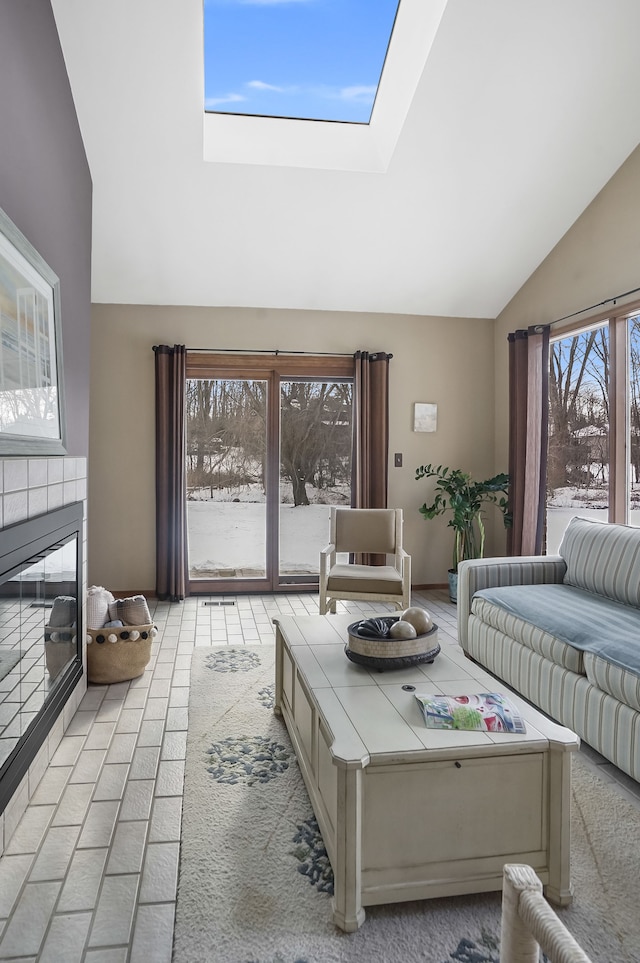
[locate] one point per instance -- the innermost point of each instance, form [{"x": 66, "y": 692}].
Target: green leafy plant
[{"x": 456, "y": 492}]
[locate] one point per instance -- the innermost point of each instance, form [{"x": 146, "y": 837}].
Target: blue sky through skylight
[{"x": 313, "y": 59}]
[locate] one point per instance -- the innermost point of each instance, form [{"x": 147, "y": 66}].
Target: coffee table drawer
[{"x": 473, "y": 809}]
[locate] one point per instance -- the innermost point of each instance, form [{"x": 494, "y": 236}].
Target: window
[
  {"x": 578, "y": 451},
  {"x": 593, "y": 467},
  {"x": 304, "y": 59},
  {"x": 633, "y": 401}
]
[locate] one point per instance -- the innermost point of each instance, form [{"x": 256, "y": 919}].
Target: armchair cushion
[{"x": 365, "y": 578}]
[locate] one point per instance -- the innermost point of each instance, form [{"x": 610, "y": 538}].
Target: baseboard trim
[{"x": 151, "y": 593}]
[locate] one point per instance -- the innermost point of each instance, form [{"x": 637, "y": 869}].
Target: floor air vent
[{"x": 223, "y": 602}]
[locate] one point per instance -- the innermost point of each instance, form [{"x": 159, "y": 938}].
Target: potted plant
[{"x": 456, "y": 492}]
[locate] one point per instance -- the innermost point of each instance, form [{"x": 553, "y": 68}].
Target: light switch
[{"x": 397, "y": 459}]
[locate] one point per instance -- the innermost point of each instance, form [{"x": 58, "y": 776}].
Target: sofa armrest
[{"x": 480, "y": 573}]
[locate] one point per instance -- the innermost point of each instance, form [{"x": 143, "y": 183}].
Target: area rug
[{"x": 255, "y": 883}]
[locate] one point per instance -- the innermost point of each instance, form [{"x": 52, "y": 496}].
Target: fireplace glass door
[{"x": 40, "y": 644}]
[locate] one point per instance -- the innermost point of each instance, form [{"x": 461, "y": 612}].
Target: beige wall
[
  {"x": 598, "y": 258},
  {"x": 444, "y": 361},
  {"x": 45, "y": 184},
  {"x": 455, "y": 363}
]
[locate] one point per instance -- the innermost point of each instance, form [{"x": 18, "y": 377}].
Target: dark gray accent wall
[{"x": 45, "y": 184}]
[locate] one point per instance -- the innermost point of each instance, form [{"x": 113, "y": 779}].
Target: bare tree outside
[
  {"x": 634, "y": 404},
  {"x": 315, "y": 447},
  {"x": 578, "y": 452},
  {"x": 226, "y": 437}
]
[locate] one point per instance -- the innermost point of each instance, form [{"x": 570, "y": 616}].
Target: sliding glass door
[
  {"x": 268, "y": 450},
  {"x": 315, "y": 470},
  {"x": 226, "y": 478}
]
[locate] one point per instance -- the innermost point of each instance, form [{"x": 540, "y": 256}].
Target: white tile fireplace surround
[{"x": 30, "y": 487}]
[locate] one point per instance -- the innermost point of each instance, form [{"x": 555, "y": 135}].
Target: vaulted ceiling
[{"x": 497, "y": 123}]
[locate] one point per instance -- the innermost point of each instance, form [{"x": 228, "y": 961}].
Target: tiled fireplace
[{"x": 43, "y": 562}]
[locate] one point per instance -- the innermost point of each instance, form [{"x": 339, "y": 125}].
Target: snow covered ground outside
[
  {"x": 227, "y": 530},
  {"x": 559, "y": 518},
  {"x": 566, "y": 503},
  {"x": 229, "y": 536}
]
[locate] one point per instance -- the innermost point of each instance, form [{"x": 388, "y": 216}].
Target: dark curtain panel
[
  {"x": 371, "y": 435},
  {"x": 528, "y": 435},
  {"x": 171, "y": 540}
]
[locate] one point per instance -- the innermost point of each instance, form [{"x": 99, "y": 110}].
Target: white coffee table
[{"x": 408, "y": 812}]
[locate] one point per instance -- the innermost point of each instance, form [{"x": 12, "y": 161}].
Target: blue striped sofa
[{"x": 564, "y": 631}]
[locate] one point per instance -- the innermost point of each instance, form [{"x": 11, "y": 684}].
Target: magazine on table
[{"x": 486, "y": 712}]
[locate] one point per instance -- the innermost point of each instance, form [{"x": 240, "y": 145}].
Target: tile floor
[{"x": 90, "y": 874}]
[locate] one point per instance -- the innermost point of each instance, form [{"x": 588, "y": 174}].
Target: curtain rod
[
  {"x": 600, "y": 304},
  {"x": 275, "y": 351}
]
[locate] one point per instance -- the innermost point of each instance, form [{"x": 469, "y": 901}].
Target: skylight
[{"x": 301, "y": 59}]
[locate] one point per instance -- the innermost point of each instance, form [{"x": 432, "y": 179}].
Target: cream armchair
[{"x": 365, "y": 530}]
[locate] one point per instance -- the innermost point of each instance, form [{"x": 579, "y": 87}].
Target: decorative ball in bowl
[{"x": 393, "y": 641}]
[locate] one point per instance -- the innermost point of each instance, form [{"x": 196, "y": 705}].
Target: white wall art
[
  {"x": 31, "y": 408},
  {"x": 425, "y": 417}
]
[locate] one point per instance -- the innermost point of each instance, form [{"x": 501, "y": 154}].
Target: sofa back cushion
[{"x": 603, "y": 558}]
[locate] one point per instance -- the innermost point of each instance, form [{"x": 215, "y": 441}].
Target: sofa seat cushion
[
  {"x": 586, "y": 622},
  {"x": 384, "y": 579},
  {"x": 527, "y": 633},
  {"x": 622, "y": 684}
]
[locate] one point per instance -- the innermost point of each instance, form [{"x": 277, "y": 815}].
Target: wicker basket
[
  {"x": 118, "y": 654},
  {"x": 389, "y": 648}
]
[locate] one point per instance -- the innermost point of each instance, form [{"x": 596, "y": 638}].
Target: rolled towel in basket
[
  {"x": 98, "y": 601},
  {"x": 131, "y": 611}
]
